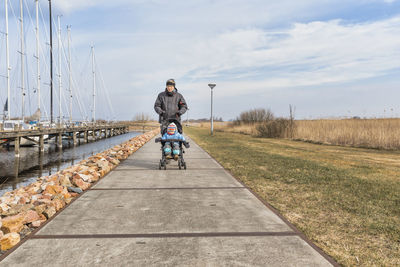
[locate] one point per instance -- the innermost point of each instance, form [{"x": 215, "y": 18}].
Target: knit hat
[
  {"x": 171, "y": 82},
  {"x": 171, "y": 130}
]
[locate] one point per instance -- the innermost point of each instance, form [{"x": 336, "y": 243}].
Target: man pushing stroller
[{"x": 170, "y": 106}]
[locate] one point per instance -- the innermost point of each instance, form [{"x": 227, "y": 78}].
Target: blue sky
[{"x": 327, "y": 58}]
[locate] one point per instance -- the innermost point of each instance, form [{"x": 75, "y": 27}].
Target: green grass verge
[{"x": 346, "y": 200}]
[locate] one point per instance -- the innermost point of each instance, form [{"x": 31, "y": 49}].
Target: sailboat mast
[
  {"x": 37, "y": 55},
  {"x": 70, "y": 73},
  {"x": 22, "y": 60},
  {"x": 51, "y": 63},
  {"x": 8, "y": 65},
  {"x": 94, "y": 88},
  {"x": 59, "y": 70}
]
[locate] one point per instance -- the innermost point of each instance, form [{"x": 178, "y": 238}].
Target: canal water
[{"x": 15, "y": 173}]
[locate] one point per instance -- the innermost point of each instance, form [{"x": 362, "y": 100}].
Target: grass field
[{"x": 344, "y": 199}]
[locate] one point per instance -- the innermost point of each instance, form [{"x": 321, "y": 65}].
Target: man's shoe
[{"x": 176, "y": 157}]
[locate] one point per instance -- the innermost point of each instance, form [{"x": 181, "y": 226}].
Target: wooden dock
[{"x": 74, "y": 133}]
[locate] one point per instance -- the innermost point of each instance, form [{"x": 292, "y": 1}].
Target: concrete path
[{"x": 139, "y": 216}]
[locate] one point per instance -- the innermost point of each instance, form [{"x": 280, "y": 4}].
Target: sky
[{"x": 326, "y": 58}]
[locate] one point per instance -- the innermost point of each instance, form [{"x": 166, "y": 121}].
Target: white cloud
[
  {"x": 231, "y": 43},
  {"x": 251, "y": 61},
  {"x": 311, "y": 53}
]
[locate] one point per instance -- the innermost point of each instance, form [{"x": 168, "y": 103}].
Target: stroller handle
[{"x": 159, "y": 139}]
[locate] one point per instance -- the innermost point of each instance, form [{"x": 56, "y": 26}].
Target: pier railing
[{"x": 41, "y": 134}]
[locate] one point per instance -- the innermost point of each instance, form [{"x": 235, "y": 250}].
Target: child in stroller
[{"x": 171, "y": 145}]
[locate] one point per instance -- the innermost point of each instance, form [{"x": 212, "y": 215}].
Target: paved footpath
[{"x": 138, "y": 216}]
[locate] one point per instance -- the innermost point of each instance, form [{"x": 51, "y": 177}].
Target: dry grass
[
  {"x": 371, "y": 133},
  {"x": 367, "y": 133},
  {"x": 344, "y": 199},
  {"x": 230, "y": 128},
  {"x": 142, "y": 125}
]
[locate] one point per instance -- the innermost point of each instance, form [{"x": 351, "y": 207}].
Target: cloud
[
  {"x": 251, "y": 61},
  {"x": 247, "y": 48},
  {"x": 310, "y": 53},
  {"x": 306, "y": 54}
]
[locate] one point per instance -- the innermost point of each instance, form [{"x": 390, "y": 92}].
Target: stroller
[{"x": 164, "y": 161}]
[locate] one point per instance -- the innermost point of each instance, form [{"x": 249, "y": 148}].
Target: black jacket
[{"x": 170, "y": 106}]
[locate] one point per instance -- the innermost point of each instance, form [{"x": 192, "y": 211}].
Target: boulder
[
  {"x": 16, "y": 209},
  {"x": 53, "y": 179},
  {"x": 25, "y": 231},
  {"x": 95, "y": 177},
  {"x": 36, "y": 224},
  {"x": 43, "y": 186},
  {"x": 49, "y": 212},
  {"x": 66, "y": 195},
  {"x": 30, "y": 216},
  {"x": 4, "y": 208},
  {"x": 114, "y": 161},
  {"x": 80, "y": 183},
  {"x": 42, "y": 201},
  {"x": 58, "y": 204},
  {"x": 15, "y": 201},
  {"x": 84, "y": 177},
  {"x": 13, "y": 223},
  {"x": 24, "y": 200},
  {"x": 46, "y": 196},
  {"x": 74, "y": 194},
  {"x": 76, "y": 190},
  {"x": 53, "y": 189},
  {"x": 64, "y": 180},
  {"x": 34, "y": 189},
  {"x": 35, "y": 197},
  {"x": 9, "y": 240},
  {"x": 102, "y": 164},
  {"x": 40, "y": 208},
  {"x": 42, "y": 218}
]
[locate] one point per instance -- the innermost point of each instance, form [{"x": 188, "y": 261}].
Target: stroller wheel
[
  {"x": 165, "y": 167},
  {"x": 179, "y": 165},
  {"x": 184, "y": 165},
  {"x": 159, "y": 165}
]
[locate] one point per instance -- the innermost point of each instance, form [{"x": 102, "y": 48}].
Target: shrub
[
  {"x": 278, "y": 128},
  {"x": 254, "y": 116}
]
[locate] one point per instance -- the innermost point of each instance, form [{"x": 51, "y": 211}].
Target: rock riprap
[{"x": 26, "y": 208}]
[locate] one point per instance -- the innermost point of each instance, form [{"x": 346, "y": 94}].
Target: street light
[{"x": 212, "y": 85}]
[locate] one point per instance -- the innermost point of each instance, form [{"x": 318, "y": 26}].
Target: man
[{"x": 170, "y": 106}]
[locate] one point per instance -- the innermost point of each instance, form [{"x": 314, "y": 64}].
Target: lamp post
[{"x": 212, "y": 85}]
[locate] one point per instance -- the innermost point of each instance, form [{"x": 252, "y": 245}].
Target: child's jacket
[{"x": 177, "y": 135}]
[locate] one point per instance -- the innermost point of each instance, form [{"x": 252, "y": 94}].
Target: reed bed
[{"x": 367, "y": 133}]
